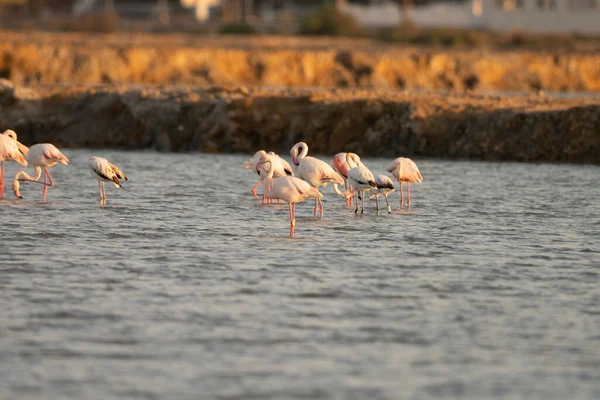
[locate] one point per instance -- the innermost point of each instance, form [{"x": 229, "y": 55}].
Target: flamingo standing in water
[
  {"x": 342, "y": 163},
  {"x": 43, "y": 155},
  {"x": 361, "y": 180},
  {"x": 314, "y": 171},
  {"x": 405, "y": 170},
  {"x": 103, "y": 171},
  {"x": 385, "y": 186},
  {"x": 287, "y": 188},
  {"x": 282, "y": 168},
  {"x": 10, "y": 149}
]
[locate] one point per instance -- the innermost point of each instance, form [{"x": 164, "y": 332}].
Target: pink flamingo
[
  {"x": 287, "y": 188},
  {"x": 314, "y": 171},
  {"x": 405, "y": 170},
  {"x": 43, "y": 155},
  {"x": 282, "y": 168},
  {"x": 10, "y": 149},
  {"x": 342, "y": 163},
  {"x": 103, "y": 171}
]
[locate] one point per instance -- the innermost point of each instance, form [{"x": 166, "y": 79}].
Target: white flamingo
[
  {"x": 287, "y": 188},
  {"x": 385, "y": 186},
  {"x": 314, "y": 171},
  {"x": 103, "y": 171},
  {"x": 42, "y": 155},
  {"x": 10, "y": 149},
  {"x": 282, "y": 168},
  {"x": 361, "y": 180},
  {"x": 405, "y": 170}
]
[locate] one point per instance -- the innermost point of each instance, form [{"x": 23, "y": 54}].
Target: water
[{"x": 185, "y": 287}]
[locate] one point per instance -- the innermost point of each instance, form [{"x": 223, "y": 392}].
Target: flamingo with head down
[
  {"x": 361, "y": 180},
  {"x": 43, "y": 155},
  {"x": 103, "y": 171},
  {"x": 385, "y": 186},
  {"x": 10, "y": 149},
  {"x": 405, "y": 170},
  {"x": 314, "y": 171},
  {"x": 287, "y": 188}
]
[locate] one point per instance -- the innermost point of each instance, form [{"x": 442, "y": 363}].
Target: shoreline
[{"x": 385, "y": 123}]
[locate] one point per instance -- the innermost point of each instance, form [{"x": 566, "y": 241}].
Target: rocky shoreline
[
  {"x": 530, "y": 128},
  {"x": 44, "y": 57}
]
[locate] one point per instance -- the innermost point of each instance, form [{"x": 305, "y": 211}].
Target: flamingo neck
[
  {"x": 344, "y": 194},
  {"x": 303, "y": 153},
  {"x": 24, "y": 174}
]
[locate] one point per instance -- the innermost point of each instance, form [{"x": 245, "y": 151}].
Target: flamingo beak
[
  {"x": 22, "y": 148},
  {"x": 295, "y": 160}
]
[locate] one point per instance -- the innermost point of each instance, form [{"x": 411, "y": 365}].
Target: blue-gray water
[{"x": 185, "y": 287}]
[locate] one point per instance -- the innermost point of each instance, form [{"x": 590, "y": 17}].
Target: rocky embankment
[
  {"x": 42, "y": 57},
  {"x": 369, "y": 122}
]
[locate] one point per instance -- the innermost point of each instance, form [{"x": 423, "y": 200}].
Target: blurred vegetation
[
  {"x": 330, "y": 21},
  {"x": 237, "y": 28}
]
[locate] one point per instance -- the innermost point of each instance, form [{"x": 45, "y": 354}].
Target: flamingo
[
  {"x": 103, "y": 171},
  {"x": 282, "y": 168},
  {"x": 10, "y": 149},
  {"x": 314, "y": 171},
  {"x": 361, "y": 180},
  {"x": 287, "y": 188},
  {"x": 385, "y": 186},
  {"x": 342, "y": 163},
  {"x": 405, "y": 170},
  {"x": 42, "y": 155}
]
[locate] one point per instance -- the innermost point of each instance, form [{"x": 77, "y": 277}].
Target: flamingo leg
[
  {"x": 292, "y": 218},
  {"x": 346, "y": 190},
  {"x": 320, "y": 209},
  {"x": 362, "y": 198},
  {"x": 351, "y": 198},
  {"x": 408, "y": 204},
  {"x": 49, "y": 177},
  {"x": 45, "y": 188},
  {"x": 103, "y": 194},
  {"x": 100, "y": 190},
  {"x": 356, "y": 209},
  {"x": 377, "y": 203},
  {"x": 255, "y": 187},
  {"x": 2, "y": 180},
  {"x": 388, "y": 204},
  {"x": 401, "y": 196},
  {"x": 316, "y": 207}
]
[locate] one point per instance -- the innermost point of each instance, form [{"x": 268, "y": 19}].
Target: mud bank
[
  {"x": 29, "y": 58},
  {"x": 242, "y": 120}
]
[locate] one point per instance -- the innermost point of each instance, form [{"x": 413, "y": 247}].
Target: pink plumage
[
  {"x": 405, "y": 170},
  {"x": 287, "y": 188}
]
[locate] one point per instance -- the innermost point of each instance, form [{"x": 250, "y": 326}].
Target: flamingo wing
[
  {"x": 405, "y": 169},
  {"x": 103, "y": 171},
  {"x": 118, "y": 172}
]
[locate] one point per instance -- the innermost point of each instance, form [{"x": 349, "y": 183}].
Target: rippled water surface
[{"x": 185, "y": 287}]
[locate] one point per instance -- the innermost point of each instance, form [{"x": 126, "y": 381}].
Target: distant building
[
  {"x": 381, "y": 14},
  {"x": 544, "y": 16}
]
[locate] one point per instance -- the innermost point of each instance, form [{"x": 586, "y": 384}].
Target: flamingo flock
[
  {"x": 280, "y": 181},
  {"x": 307, "y": 174},
  {"x": 43, "y": 156}
]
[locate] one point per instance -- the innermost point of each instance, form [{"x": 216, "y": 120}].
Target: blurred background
[{"x": 390, "y": 20}]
